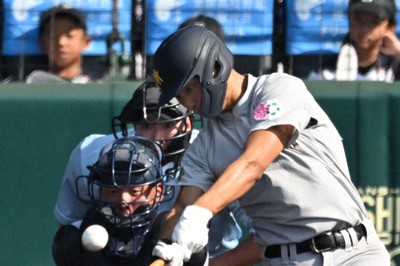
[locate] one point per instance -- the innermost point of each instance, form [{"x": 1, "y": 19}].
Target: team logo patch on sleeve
[{"x": 267, "y": 110}]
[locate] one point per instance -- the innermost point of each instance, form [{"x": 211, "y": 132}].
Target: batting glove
[
  {"x": 192, "y": 229},
  {"x": 174, "y": 254}
]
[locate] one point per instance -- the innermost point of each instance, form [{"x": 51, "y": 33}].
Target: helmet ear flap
[
  {"x": 218, "y": 65},
  {"x": 215, "y": 75}
]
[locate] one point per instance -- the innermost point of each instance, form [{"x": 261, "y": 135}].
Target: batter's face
[
  {"x": 191, "y": 95},
  {"x": 133, "y": 197}
]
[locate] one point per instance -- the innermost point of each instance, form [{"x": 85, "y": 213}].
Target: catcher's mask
[{"x": 132, "y": 165}]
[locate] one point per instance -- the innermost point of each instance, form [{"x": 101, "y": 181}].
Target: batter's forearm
[{"x": 236, "y": 180}]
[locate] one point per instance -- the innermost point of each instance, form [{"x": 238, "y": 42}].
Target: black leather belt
[{"x": 318, "y": 244}]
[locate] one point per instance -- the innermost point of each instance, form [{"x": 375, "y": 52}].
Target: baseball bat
[{"x": 158, "y": 262}]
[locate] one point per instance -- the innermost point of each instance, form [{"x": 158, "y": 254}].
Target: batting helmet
[{"x": 189, "y": 52}]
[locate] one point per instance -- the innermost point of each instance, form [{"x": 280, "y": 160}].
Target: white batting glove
[
  {"x": 174, "y": 254},
  {"x": 192, "y": 229}
]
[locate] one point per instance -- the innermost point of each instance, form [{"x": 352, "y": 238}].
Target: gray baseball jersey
[
  {"x": 307, "y": 189},
  {"x": 225, "y": 232}
]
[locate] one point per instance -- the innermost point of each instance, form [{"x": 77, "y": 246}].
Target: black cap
[
  {"x": 66, "y": 10},
  {"x": 384, "y": 9}
]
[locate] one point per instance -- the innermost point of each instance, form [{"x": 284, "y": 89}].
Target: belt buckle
[{"x": 313, "y": 244}]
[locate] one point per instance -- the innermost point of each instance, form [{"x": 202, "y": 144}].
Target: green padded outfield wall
[{"x": 41, "y": 124}]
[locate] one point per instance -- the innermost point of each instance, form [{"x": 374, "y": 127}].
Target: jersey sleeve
[
  {"x": 281, "y": 100},
  {"x": 69, "y": 208}
]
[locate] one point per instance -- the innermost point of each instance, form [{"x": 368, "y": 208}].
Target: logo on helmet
[{"x": 158, "y": 79}]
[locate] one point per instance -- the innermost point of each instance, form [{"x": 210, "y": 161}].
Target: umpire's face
[{"x": 163, "y": 132}]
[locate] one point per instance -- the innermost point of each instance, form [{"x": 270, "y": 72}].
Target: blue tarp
[
  {"x": 318, "y": 26},
  {"x": 21, "y": 19},
  {"x": 248, "y": 24},
  {"x": 315, "y": 26}
]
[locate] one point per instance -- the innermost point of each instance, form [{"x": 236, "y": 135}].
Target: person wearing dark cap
[
  {"x": 63, "y": 37},
  {"x": 371, "y": 49}
]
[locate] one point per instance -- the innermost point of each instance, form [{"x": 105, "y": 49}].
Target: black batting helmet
[{"x": 189, "y": 52}]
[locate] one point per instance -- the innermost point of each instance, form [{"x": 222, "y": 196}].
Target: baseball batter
[{"x": 270, "y": 145}]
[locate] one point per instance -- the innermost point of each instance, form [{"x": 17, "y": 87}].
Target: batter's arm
[
  {"x": 261, "y": 149},
  {"x": 187, "y": 196}
]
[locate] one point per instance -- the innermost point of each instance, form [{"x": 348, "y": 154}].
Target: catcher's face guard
[{"x": 126, "y": 186}]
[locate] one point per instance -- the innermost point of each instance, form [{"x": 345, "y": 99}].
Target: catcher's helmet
[
  {"x": 189, "y": 52},
  {"x": 127, "y": 163},
  {"x": 143, "y": 109}
]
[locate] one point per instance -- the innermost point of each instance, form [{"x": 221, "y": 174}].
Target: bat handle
[{"x": 158, "y": 262}]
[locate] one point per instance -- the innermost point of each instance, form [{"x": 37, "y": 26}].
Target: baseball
[{"x": 94, "y": 238}]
